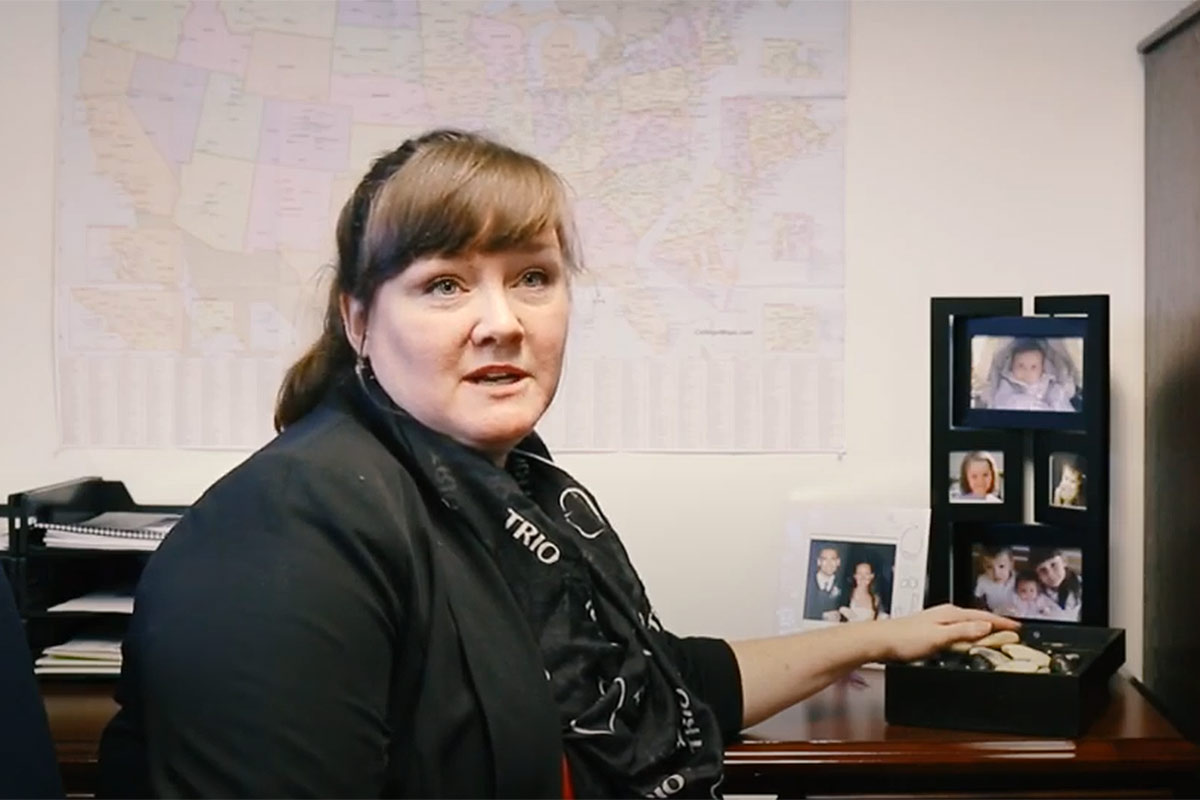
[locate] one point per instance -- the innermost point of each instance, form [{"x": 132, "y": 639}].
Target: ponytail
[{"x": 307, "y": 381}]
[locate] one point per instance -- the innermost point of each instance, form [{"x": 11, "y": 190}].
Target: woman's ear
[{"x": 354, "y": 323}]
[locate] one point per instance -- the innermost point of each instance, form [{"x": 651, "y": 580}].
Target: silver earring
[{"x": 362, "y": 368}]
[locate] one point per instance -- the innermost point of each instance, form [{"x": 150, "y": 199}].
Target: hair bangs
[
  {"x": 462, "y": 196},
  {"x": 511, "y": 206}
]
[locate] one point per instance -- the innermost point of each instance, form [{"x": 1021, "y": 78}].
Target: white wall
[{"x": 993, "y": 148}]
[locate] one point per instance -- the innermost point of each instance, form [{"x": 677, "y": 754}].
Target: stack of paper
[
  {"x": 107, "y": 602},
  {"x": 96, "y": 655}
]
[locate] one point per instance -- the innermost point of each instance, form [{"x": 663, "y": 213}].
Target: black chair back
[{"x": 28, "y": 765}]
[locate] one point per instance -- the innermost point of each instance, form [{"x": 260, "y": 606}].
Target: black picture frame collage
[{"x": 1009, "y": 391}]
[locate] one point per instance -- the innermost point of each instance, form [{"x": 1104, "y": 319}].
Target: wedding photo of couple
[{"x": 849, "y": 581}]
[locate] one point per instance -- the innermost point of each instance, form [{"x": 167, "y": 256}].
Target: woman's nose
[{"x": 498, "y": 320}]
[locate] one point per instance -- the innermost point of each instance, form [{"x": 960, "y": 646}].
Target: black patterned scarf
[{"x": 630, "y": 727}]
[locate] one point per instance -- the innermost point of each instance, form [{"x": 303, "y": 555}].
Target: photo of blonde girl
[{"x": 977, "y": 476}]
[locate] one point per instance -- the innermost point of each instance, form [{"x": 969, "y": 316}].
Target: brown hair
[
  {"x": 444, "y": 193},
  {"x": 1027, "y": 576},
  {"x": 871, "y": 590}
]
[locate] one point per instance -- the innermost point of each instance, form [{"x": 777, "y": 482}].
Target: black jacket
[
  {"x": 817, "y": 601},
  {"x": 310, "y": 629}
]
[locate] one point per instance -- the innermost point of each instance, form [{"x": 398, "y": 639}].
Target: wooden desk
[
  {"x": 838, "y": 743},
  {"x": 78, "y": 712}
]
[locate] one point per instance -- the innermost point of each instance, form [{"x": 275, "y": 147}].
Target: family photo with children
[{"x": 1029, "y": 582}]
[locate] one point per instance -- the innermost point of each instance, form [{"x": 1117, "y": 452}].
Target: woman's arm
[{"x": 782, "y": 670}]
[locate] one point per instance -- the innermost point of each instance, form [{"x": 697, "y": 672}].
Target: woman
[
  {"x": 401, "y": 594},
  {"x": 864, "y": 598},
  {"x": 1060, "y": 583}
]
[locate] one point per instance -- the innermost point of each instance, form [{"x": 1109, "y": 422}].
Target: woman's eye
[
  {"x": 534, "y": 277},
  {"x": 443, "y": 287}
]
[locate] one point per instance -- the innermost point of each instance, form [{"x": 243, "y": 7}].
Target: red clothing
[{"x": 568, "y": 793}]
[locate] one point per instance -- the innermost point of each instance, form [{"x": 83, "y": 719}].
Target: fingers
[
  {"x": 967, "y": 630},
  {"x": 978, "y": 613},
  {"x": 998, "y": 622},
  {"x": 948, "y": 612}
]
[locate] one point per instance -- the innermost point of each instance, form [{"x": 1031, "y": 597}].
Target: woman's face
[
  {"x": 863, "y": 575},
  {"x": 472, "y": 346},
  {"x": 979, "y": 477},
  {"x": 1052, "y": 571}
]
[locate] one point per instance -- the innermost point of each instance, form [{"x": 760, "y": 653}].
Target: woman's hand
[
  {"x": 924, "y": 633},
  {"x": 781, "y": 670}
]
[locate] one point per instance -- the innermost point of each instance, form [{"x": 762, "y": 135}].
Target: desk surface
[{"x": 837, "y": 742}]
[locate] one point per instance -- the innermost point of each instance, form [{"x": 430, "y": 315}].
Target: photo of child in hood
[{"x": 1028, "y": 374}]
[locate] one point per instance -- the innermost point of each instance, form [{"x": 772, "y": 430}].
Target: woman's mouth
[{"x": 497, "y": 375}]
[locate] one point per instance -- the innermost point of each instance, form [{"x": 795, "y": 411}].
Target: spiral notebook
[{"x": 138, "y": 530}]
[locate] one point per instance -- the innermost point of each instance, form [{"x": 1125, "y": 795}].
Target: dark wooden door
[{"x": 1172, "y": 489}]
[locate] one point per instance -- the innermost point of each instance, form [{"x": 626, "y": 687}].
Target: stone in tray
[{"x": 1003, "y": 651}]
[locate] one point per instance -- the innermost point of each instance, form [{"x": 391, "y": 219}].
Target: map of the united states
[{"x": 205, "y": 149}]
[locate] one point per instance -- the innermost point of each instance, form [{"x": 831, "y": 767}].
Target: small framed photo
[
  {"x": 1028, "y": 581},
  {"x": 845, "y": 564},
  {"x": 849, "y": 580},
  {"x": 1021, "y": 372},
  {"x": 1070, "y": 481},
  {"x": 976, "y": 476},
  {"x": 1030, "y": 572}
]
